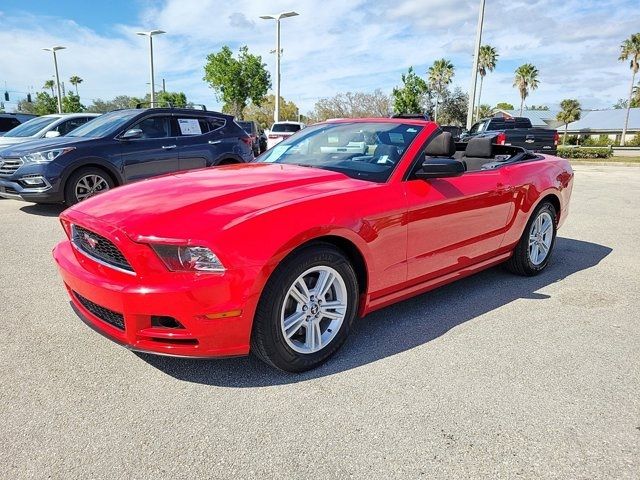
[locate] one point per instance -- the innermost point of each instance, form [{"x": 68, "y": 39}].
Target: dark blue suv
[{"x": 120, "y": 147}]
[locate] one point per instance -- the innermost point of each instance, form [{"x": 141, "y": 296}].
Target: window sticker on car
[
  {"x": 189, "y": 126},
  {"x": 333, "y": 139}
]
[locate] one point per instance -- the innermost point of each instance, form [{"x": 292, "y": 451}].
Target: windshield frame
[
  {"x": 35, "y": 120},
  {"x": 126, "y": 116},
  {"x": 378, "y": 124}
]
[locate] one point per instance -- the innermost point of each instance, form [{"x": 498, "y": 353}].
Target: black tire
[
  {"x": 70, "y": 197},
  {"x": 521, "y": 262},
  {"x": 267, "y": 339}
]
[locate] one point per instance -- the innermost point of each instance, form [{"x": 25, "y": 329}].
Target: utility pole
[
  {"x": 150, "y": 34},
  {"x": 474, "y": 70},
  {"x": 55, "y": 64}
]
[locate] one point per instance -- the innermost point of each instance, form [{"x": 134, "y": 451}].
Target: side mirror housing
[
  {"x": 132, "y": 134},
  {"x": 440, "y": 168},
  {"x": 52, "y": 134}
]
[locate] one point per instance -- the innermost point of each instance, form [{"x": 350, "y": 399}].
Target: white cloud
[{"x": 337, "y": 46}]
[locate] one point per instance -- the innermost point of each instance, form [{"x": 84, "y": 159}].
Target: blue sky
[{"x": 333, "y": 46}]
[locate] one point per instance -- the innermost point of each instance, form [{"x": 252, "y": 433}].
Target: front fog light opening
[
  {"x": 165, "y": 322},
  {"x": 35, "y": 181}
]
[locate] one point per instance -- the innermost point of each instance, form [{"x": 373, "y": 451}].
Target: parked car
[
  {"x": 12, "y": 120},
  {"x": 46, "y": 126},
  {"x": 517, "y": 132},
  {"x": 255, "y": 133},
  {"x": 281, "y": 130},
  {"x": 120, "y": 147},
  {"x": 278, "y": 257}
]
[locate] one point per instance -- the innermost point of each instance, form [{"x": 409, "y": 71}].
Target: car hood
[
  {"x": 31, "y": 146},
  {"x": 6, "y": 141},
  {"x": 198, "y": 202}
]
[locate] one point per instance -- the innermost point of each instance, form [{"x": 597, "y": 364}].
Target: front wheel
[
  {"x": 533, "y": 251},
  {"x": 86, "y": 183},
  {"x": 306, "y": 309}
]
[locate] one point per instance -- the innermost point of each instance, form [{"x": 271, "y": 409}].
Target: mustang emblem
[{"x": 90, "y": 240}]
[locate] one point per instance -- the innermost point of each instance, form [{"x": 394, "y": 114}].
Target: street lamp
[
  {"x": 277, "y": 18},
  {"x": 150, "y": 34},
  {"x": 474, "y": 70},
  {"x": 55, "y": 64}
]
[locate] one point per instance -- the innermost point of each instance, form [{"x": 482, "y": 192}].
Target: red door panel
[{"x": 455, "y": 222}]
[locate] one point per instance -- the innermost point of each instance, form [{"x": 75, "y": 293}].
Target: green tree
[
  {"x": 484, "y": 111},
  {"x": 504, "y": 106},
  {"x": 525, "y": 80},
  {"x": 237, "y": 81},
  {"x": 71, "y": 103},
  {"x": 263, "y": 113},
  {"x": 353, "y": 105},
  {"x": 119, "y": 102},
  {"x": 45, "y": 104},
  {"x": 49, "y": 85},
  {"x": 630, "y": 50},
  {"x": 570, "y": 111},
  {"x": 454, "y": 107},
  {"x": 408, "y": 98},
  {"x": 75, "y": 81},
  {"x": 25, "y": 107},
  {"x": 487, "y": 60},
  {"x": 440, "y": 75}
]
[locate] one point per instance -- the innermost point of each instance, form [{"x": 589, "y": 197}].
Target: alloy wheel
[
  {"x": 540, "y": 238},
  {"x": 90, "y": 185}
]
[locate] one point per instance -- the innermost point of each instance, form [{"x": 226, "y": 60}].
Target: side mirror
[
  {"x": 440, "y": 168},
  {"x": 52, "y": 134},
  {"x": 132, "y": 134}
]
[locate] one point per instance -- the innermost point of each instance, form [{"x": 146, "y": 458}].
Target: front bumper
[{"x": 198, "y": 302}]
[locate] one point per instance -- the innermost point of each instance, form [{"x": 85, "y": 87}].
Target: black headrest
[
  {"x": 479, "y": 147},
  {"x": 441, "y": 146}
]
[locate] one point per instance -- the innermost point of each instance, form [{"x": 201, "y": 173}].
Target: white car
[
  {"x": 281, "y": 130},
  {"x": 46, "y": 126}
]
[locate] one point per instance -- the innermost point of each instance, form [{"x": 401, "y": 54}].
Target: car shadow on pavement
[
  {"x": 385, "y": 333},
  {"x": 44, "y": 209}
]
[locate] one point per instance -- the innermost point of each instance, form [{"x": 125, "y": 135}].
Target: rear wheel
[
  {"x": 533, "y": 251},
  {"x": 86, "y": 183},
  {"x": 306, "y": 309}
]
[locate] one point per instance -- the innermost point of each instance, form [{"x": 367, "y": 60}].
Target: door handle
[
  {"x": 168, "y": 147},
  {"x": 214, "y": 142}
]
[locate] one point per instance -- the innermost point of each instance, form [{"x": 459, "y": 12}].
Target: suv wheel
[{"x": 86, "y": 183}]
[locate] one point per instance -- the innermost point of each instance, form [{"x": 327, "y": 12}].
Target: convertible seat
[
  {"x": 441, "y": 146},
  {"x": 478, "y": 153}
]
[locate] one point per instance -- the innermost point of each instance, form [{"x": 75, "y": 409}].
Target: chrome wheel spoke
[
  {"x": 300, "y": 292},
  {"x": 325, "y": 280},
  {"x": 293, "y": 323}
]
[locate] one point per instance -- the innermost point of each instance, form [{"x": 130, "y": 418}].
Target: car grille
[
  {"x": 112, "y": 318},
  {"x": 8, "y": 166},
  {"x": 99, "y": 248}
]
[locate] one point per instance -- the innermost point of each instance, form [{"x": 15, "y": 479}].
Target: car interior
[{"x": 477, "y": 154}]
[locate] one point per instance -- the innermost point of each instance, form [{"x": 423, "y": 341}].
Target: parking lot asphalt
[{"x": 496, "y": 376}]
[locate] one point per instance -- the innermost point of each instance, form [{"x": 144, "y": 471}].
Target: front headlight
[
  {"x": 188, "y": 259},
  {"x": 45, "y": 156}
]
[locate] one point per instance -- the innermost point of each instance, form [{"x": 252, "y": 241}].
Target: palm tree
[
  {"x": 526, "y": 79},
  {"x": 484, "y": 111},
  {"x": 570, "y": 111},
  {"x": 487, "y": 59},
  {"x": 440, "y": 75},
  {"x": 630, "y": 49},
  {"x": 49, "y": 84},
  {"x": 75, "y": 80}
]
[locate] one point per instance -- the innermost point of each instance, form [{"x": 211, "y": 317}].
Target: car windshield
[
  {"x": 367, "y": 151},
  {"x": 246, "y": 126},
  {"x": 104, "y": 124},
  {"x": 31, "y": 127},
  {"x": 285, "y": 127}
]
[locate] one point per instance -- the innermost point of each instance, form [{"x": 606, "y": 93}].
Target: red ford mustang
[{"x": 280, "y": 256}]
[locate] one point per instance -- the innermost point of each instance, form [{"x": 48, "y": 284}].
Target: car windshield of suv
[
  {"x": 104, "y": 124},
  {"x": 285, "y": 127},
  {"x": 367, "y": 151},
  {"x": 31, "y": 127},
  {"x": 246, "y": 126}
]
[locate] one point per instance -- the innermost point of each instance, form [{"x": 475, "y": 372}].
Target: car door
[
  {"x": 156, "y": 152},
  {"x": 455, "y": 222},
  {"x": 201, "y": 141}
]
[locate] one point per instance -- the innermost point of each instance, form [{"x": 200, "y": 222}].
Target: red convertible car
[{"x": 279, "y": 257}]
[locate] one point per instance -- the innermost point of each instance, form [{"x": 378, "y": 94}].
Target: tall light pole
[
  {"x": 55, "y": 64},
  {"x": 277, "y": 18},
  {"x": 474, "y": 70},
  {"x": 150, "y": 34}
]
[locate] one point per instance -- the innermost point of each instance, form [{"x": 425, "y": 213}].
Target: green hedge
[{"x": 577, "y": 152}]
